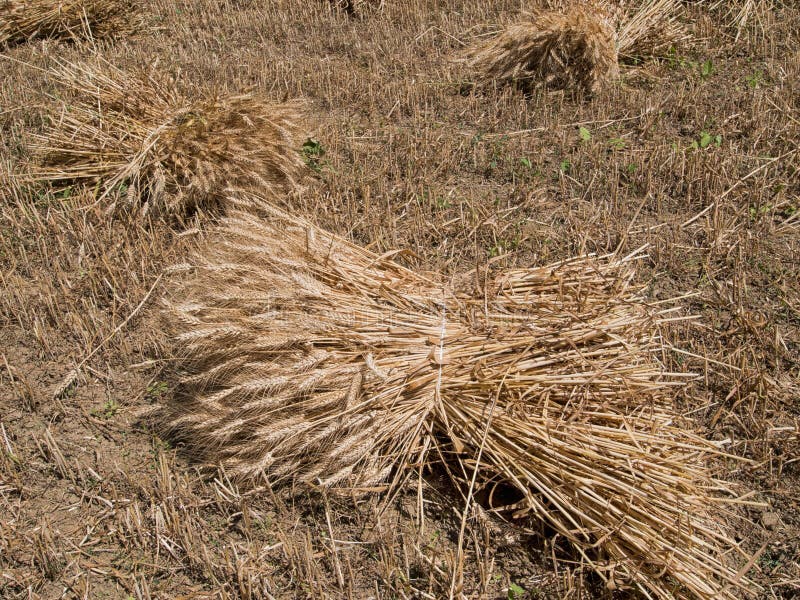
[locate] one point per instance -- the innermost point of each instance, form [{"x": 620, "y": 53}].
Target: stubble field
[{"x": 692, "y": 154}]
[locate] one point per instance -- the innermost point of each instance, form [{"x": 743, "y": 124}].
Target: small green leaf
[
  {"x": 515, "y": 591},
  {"x": 312, "y": 147},
  {"x": 585, "y": 134},
  {"x": 526, "y": 162},
  {"x": 754, "y": 80},
  {"x": 313, "y": 151},
  {"x": 616, "y": 143},
  {"x": 156, "y": 390},
  {"x": 705, "y": 139}
]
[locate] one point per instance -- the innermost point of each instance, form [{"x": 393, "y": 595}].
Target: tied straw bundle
[
  {"x": 578, "y": 45},
  {"x": 309, "y": 360},
  {"x": 137, "y": 134},
  {"x": 23, "y": 20}
]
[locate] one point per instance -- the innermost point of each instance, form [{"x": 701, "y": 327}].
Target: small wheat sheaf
[
  {"x": 309, "y": 360},
  {"x": 134, "y": 133},
  {"x": 23, "y": 20},
  {"x": 577, "y": 46}
]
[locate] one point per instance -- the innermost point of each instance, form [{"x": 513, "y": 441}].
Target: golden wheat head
[{"x": 308, "y": 360}]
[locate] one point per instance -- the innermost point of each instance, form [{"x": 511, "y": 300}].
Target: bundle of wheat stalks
[
  {"x": 309, "y": 360},
  {"x": 575, "y": 48},
  {"x": 136, "y": 134},
  {"x": 647, "y": 29},
  {"x": 578, "y": 45},
  {"x": 22, "y": 20}
]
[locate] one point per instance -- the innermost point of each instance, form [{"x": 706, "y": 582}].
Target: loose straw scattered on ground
[{"x": 309, "y": 360}]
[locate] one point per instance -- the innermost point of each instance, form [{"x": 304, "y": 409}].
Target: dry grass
[
  {"x": 139, "y": 141},
  {"x": 571, "y": 49},
  {"x": 143, "y": 510},
  {"x": 23, "y": 20},
  {"x": 311, "y": 360}
]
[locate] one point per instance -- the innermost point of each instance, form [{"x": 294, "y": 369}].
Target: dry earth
[{"x": 694, "y": 153}]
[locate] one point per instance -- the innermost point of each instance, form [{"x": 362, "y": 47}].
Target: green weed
[
  {"x": 108, "y": 410},
  {"x": 515, "y": 591},
  {"x": 313, "y": 151}
]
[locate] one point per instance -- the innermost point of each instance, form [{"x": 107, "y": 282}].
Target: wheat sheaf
[
  {"x": 24, "y": 20},
  {"x": 575, "y": 48},
  {"x": 576, "y": 45},
  {"x": 308, "y": 360},
  {"x": 136, "y": 138}
]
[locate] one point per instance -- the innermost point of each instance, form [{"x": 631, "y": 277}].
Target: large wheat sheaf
[
  {"x": 136, "y": 137},
  {"x": 308, "y": 360},
  {"x": 22, "y": 20},
  {"x": 577, "y": 45}
]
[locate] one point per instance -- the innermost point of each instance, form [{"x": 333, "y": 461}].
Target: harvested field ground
[{"x": 694, "y": 153}]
